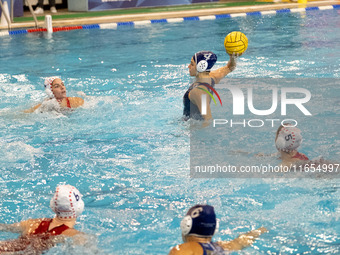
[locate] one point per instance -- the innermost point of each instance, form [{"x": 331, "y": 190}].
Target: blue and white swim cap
[
  {"x": 67, "y": 202},
  {"x": 200, "y": 221},
  {"x": 204, "y": 60}
]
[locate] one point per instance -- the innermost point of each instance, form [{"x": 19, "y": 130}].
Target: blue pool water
[{"x": 128, "y": 151}]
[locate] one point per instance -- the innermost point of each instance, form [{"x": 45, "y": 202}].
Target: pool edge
[{"x": 112, "y": 22}]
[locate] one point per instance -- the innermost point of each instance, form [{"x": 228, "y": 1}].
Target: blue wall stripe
[
  {"x": 312, "y": 8},
  {"x": 159, "y": 21},
  {"x": 91, "y": 26},
  {"x": 282, "y": 10},
  {"x": 336, "y": 6},
  {"x": 253, "y": 13},
  {"x": 129, "y": 23},
  {"x": 16, "y": 32},
  {"x": 191, "y": 18},
  {"x": 222, "y": 16}
]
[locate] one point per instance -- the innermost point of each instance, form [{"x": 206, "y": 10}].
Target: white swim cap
[
  {"x": 67, "y": 202},
  {"x": 48, "y": 85},
  {"x": 289, "y": 138}
]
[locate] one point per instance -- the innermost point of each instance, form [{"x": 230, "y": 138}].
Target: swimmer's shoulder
[
  {"x": 305, "y": 157},
  {"x": 302, "y": 159},
  {"x": 198, "y": 89},
  {"x": 189, "y": 248},
  {"x": 28, "y": 226},
  {"x": 72, "y": 232},
  {"x": 76, "y": 101}
]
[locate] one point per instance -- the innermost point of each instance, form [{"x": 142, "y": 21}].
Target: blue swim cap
[
  {"x": 199, "y": 221},
  {"x": 204, "y": 60}
]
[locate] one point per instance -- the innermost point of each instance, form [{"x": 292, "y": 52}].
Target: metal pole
[
  {"x": 4, "y": 13},
  {"x": 32, "y": 12},
  {"x": 12, "y": 10}
]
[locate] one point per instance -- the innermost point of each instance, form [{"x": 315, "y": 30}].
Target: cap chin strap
[{"x": 217, "y": 226}]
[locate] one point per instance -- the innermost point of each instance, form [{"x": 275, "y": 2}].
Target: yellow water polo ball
[{"x": 236, "y": 42}]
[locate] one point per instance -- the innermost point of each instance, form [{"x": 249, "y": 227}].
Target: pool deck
[{"x": 67, "y": 18}]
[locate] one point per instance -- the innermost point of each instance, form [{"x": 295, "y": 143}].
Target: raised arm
[
  {"x": 221, "y": 72},
  {"x": 243, "y": 241}
]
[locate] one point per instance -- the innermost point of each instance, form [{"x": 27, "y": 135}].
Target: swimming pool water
[{"x": 127, "y": 150}]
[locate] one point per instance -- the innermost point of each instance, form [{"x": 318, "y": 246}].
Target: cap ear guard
[
  {"x": 202, "y": 66},
  {"x": 280, "y": 143},
  {"x": 186, "y": 225},
  {"x": 48, "y": 86}
]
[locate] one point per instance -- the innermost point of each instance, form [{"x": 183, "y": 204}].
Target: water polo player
[
  {"x": 41, "y": 234},
  {"x": 57, "y": 99},
  {"x": 200, "y": 67},
  {"x": 287, "y": 141},
  {"x": 199, "y": 226}
]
